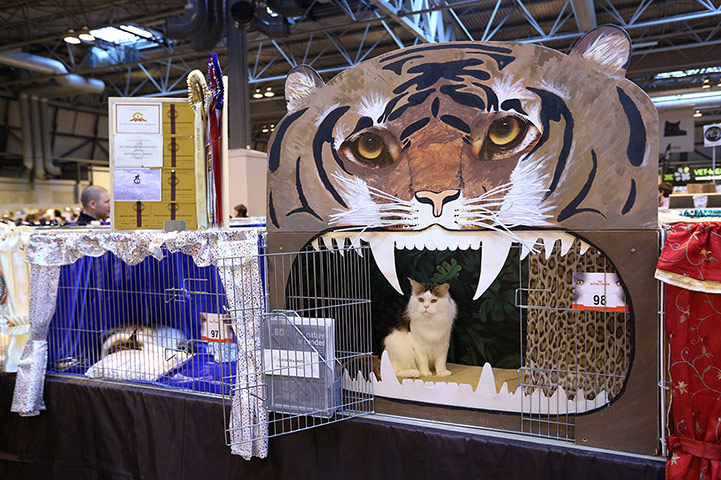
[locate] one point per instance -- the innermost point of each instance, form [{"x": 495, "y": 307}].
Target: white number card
[
  {"x": 216, "y": 329},
  {"x": 598, "y": 291}
]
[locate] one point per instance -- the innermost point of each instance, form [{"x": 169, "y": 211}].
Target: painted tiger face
[{"x": 466, "y": 145}]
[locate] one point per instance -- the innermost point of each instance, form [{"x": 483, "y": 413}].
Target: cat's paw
[
  {"x": 444, "y": 373},
  {"x": 426, "y": 373},
  {"x": 409, "y": 372}
]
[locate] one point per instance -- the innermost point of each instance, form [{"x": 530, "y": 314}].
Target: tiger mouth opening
[
  {"x": 494, "y": 247},
  {"x": 561, "y": 357}
]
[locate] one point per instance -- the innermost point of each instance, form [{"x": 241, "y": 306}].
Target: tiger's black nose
[{"x": 437, "y": 199}]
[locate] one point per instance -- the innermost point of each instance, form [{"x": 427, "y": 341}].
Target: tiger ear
[
  {"x": 608, "y": 47},
  {"x": 301, "y": 82}
]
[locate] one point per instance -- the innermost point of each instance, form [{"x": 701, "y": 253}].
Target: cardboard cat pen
[{"x": 497, "y": 150}]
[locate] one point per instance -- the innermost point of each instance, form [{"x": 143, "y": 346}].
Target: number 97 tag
[{"x": 215, "y": 329}]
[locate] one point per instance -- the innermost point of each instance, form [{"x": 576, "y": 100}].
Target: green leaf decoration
[{"x": 447, "y": 272}]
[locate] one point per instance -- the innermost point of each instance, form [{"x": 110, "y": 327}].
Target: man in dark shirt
[{"x": 96, "y": 205}]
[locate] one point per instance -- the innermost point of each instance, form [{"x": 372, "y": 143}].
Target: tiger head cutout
[{"x": 466, "y": 145}]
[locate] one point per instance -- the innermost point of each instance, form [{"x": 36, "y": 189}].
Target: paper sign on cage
[
  {"x": 216, "y": 328},
  {"x": 598, "y": 292},
  {"x": 299, "y": 360}
]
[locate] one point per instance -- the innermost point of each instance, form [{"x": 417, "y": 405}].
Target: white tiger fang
[{"x": 494, "y": 247}]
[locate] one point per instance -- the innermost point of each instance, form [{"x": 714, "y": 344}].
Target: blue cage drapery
[{"x": 97, "y": 294}]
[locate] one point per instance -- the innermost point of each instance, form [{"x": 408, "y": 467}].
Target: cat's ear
[
  {"x": 417, "y": 287},
  {"x": 442, "y": 290},
  {"x": 608, "y": 47},
  {"x": 301, "y": 82}
]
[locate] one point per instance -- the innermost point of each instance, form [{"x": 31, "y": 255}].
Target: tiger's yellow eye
[
  {"x": 504, "y": 131},
  {"x": 373, "y": 147},
  {"x": 370, "y": 145}
]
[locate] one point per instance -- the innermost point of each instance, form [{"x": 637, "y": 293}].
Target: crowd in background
[
  {"x": 38, "y": 217},
  {"x": 96, "y": 209}
]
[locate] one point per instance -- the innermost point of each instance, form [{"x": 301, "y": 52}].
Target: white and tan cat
[{"x": 419, "y": 343}]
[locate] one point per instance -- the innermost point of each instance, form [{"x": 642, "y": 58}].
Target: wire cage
[
  {"x": 142, "y": 323},
  {"x": 291, "y": 355},
  {"x": 315, "y": 342},
  {"x": 575, "y": 353}
]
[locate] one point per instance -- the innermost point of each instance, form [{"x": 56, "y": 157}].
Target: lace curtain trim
[{"x": 48, "y": 251}]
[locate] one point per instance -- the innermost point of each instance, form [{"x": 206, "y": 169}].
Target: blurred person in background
[
  {"x": 96, "y": 205},
  {"x": 241, "y": 211},
  {"x": 664, "y": 190}
]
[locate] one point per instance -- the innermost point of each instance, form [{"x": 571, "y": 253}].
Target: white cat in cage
[{"x": 138, "y": 352}]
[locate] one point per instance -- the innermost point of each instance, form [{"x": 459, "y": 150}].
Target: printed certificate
[
  {"x": 137, "y": 184},
  {"x": 138, "y": 151}
]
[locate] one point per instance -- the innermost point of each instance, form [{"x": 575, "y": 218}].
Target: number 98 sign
[{"x": 598, "y": 291}]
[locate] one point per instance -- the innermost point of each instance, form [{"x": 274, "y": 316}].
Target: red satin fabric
[
  {"x": 693, "y": 326},
  {"x": 693, "y": 250}
]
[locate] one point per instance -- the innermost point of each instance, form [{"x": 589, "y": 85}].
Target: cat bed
[
  {"x": 464, "y": 374},
  {"x": 146, "y": 365},
  {"x": 201, "y": 373}
]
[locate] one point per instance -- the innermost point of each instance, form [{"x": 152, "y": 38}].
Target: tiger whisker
[
  {"x": 485, "y": 205},
  {"x": 540, "y": 187},
  {"x": 511, "y": 206},
  {"x": 384, "y": 216},
  {"x": 501, "y": 230},
  {"x": 379, "y": 207},
  {"x": 528, "y": 194},
  {"x": 371, "y": 190},
  {"x": 504, "y": 230},
  {"x": 378, "y": 212},
  {"x": 498, "y": 189},
  {"x": 374, "y": 225}
]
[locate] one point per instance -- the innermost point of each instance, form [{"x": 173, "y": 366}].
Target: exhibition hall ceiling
[{"x": 667, "y": 35}]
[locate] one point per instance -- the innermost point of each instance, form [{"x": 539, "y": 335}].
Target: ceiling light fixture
[
  {"x": 257, "y": 93},
  {"x": 137, "y": 31},
  {"x": 86, "y": 36},
  {"x": 265, "y": 129},
  {"x": 691, "y": 99},
  {"x": 697, "y": 114},
  {"x": 269, "y": 92},
  {"x": 71, "y": 38},
  {"x": 706, "y": 83}
]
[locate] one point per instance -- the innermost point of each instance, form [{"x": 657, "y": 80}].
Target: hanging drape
[
  {"x": 689, "y": 265},
  {"x": 14, "y": 291},
  {"x": 233, "y": 253}
]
